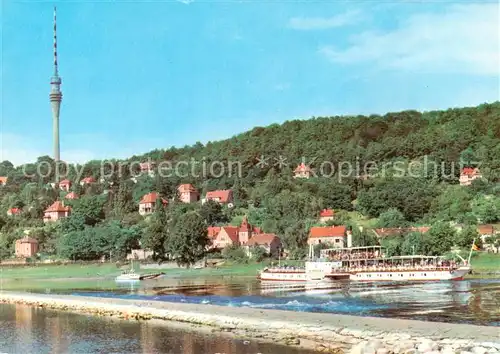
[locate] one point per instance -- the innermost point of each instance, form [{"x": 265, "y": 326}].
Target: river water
[
  {"x": 27, "y": 330},
  {"x": 469, "y": 301},
  {"x": 30, "y": 330}
]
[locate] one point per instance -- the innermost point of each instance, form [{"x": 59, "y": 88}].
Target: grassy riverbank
[{"x": 482, "y": 264}]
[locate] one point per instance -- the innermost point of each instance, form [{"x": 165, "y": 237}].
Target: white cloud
[
  {"x": 465, "y": 39},
  {"x": 318, "y": 23}
]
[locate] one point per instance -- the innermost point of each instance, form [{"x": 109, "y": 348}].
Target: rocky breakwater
[{"x": 323, "y": 332}]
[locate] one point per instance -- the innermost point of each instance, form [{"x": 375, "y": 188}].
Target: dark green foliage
[
  {"x": 235, "y": 254},
  {"x": 188, "y": 242},
  {"x": 212, "y": 213},
  {"x": 156, "y": 234},
  {"x": 392, "y": 218},
  {"x": 412, "y": 196},
  {"x": 441, "y": 238}
]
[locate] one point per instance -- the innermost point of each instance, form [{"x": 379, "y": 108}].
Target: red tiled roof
[
  {"x": 26, "y": 239},
  {"x": 57, "y": 206},
  {"x": 327, "y": 231},
  {"x": 88, "y": 180},
  {"x": 302, "y": 168},
  {"x": 391, "y": 231},
  {"x": 232, "y": 232},
  {"x": 3, "y": 180},
  {"x": 262, "y": 239},
  {"x": 486, "y": 229},
  {"x": 469, "y": 171},
  {"x": 326, "y": 213},
  {"x": 224, "y": 196},
  {"x": 213, "y": 231},
  {"x": 65, "y": 182},
  {"x": 151, "y": 198},
  {"x": 187, "y": 187},
  {"x": 14, "y": 211},
  {"x": 257, "y": 230},
  {"x": 71, "y": 195}
]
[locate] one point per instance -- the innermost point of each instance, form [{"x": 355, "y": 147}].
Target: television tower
[{"x": 55, "y": 97}]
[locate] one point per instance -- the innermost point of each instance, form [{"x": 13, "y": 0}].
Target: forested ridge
[{"x": 105, "y": 219}]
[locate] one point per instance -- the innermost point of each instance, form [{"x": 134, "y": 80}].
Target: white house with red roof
[
  {"x": 56, "y": 211},
  {"x": 224, "y": 196},
  {"x": 333, "y": 235},
  {"x": 71, "y": 196},
  {"x": 13, "y": 211},
  {"x": 188, "y": 193},
  {"x": 469, "y": 174},
  {"x": 3, "y": 180},
  {"x": 148, "y": 202},
  {"x": 269, "y": 242},
  {"x": 65, "y": 185},
  {"x": 325, "y": 215},
  {"x": 87, "y": 180},
  {"x": 302, "y": 171}
]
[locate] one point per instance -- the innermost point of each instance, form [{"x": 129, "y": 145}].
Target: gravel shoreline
[{"x": 323, "y": 332}]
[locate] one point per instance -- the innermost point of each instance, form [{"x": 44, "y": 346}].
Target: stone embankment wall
[{"x": 323, "y": 332}]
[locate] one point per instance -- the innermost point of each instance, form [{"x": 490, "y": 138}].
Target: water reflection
[
  {"x": 33, "y": 330},
  {"x": 472, "y": 301}
]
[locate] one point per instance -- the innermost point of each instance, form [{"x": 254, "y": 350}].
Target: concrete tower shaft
[{"x": 55, "y": 97}]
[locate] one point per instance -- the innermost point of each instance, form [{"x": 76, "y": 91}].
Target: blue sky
[{"x": 144, "y": 75}]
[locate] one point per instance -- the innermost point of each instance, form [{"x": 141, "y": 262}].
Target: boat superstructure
[{"x": 368, "y": 264}]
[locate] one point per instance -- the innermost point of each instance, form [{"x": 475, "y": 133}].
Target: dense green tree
[
  {"x": 188, "y": 242},
  {"x": 453, "y": 204},
  {"x": 466, "y": 236},
  {"x": 441, "y": 237},
  {"x": 486, "y": 208},
  {"x": 392, "y": 218},
  {"x": 415, "y": 243},
  {"x": 156, "y": 234},
  {"x": 212, "y": 213},
  {"x": 396, "y": 193},
  {"x": 90, "y": 209}
]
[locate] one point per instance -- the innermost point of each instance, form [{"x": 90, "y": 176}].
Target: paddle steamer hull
[{"x": 411, "y": 275}]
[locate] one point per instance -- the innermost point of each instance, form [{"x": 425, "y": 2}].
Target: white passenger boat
[
  {"x": 129, "y": 275},
  {"x": 369, "y": 264}
]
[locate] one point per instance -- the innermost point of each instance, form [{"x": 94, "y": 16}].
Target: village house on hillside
[
  {"x": 334, "y": 235},
  {"x": 148, "y": 203},
  {"x": 13, "y": 211},
  {"x": 87, "y": 180},
  {"x": 26, "y": 247},
  {"x": 71, "y": 196},
  {"x": 269, "y": 242},
  {"x": 65, "y": 185},
  {"x": 3, "y": 180},
  {"x": 188, "y": 193},
  {"x": 220, "y": 196},
  {"x": 224, "y": 236},
  {"x": 325, "y": 215},
  {"x": 56, "y": 211},
  {"x": 469, "y": 174},
  {"x": 302, "y": 171}
]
